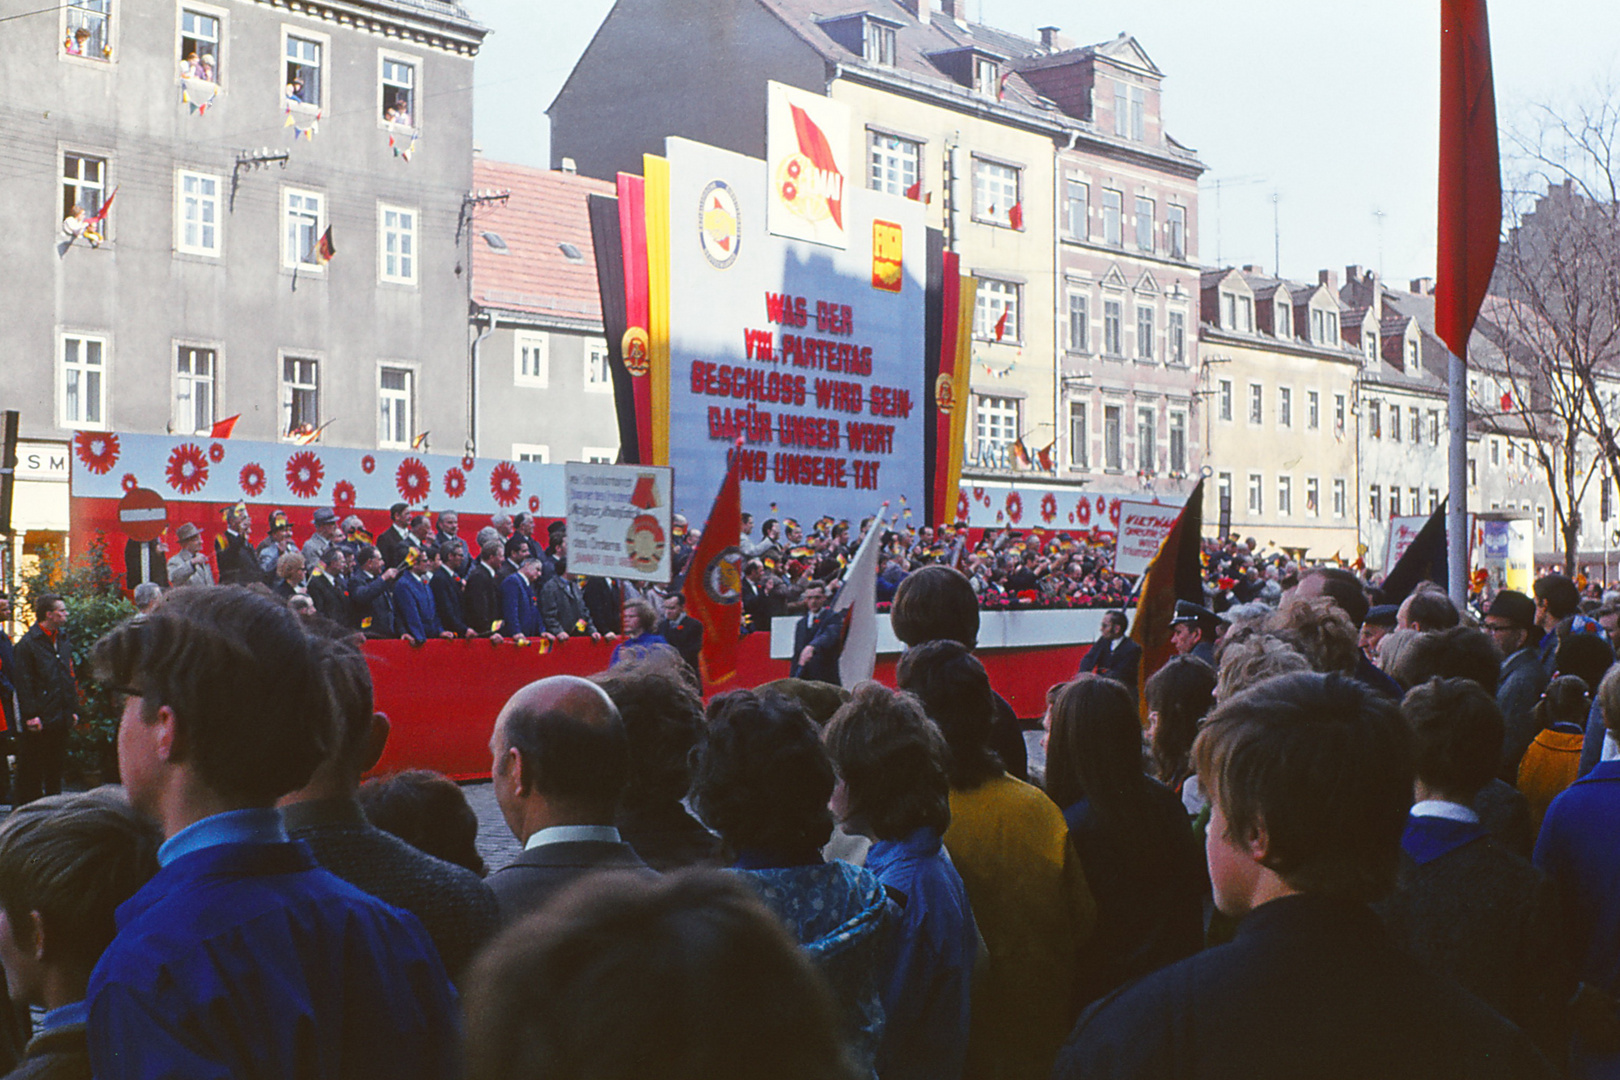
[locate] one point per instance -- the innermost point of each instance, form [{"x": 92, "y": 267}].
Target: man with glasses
[{"x": 1511, "y": 622}]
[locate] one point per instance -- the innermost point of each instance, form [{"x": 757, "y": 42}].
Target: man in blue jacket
[
  {"x": 413, "y": 598},
  {"x": 371, "y": 591},
  {"x": 242, "y": 957},
  {"x": 520, "y": 612}
]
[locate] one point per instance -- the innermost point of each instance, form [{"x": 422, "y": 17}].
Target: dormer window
[
  {"x": 1324, "y": 327},
  {"x": 1369, "y": 342},
  {"x": 1411, "y": 352},
  {"x": 878, "y": 43},
  {"x": 1285, "y": 320},
  {"x": 1130, "y": 111},
  {"x": 1237, "y": 312},
  {"x": 986, "y": 77}
]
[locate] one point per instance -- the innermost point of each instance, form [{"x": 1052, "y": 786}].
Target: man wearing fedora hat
[
  {"x": 189, "y": 566},
  {"x": 325, "y": 535},
  {"x": 1193, "y": 630},
  {"x": 277, "y": 543}
]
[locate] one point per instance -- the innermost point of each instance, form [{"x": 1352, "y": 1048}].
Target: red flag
[
  {"x": 1470, "y": 172},
  {"x": 1176, "y": 573},
  {"x": 222, "y": 428},
  {"x": 1507, "y": 402},
  {"x": 1020, "y": 454},
  {"x": 1001, "y": 324},
  {"x": 914, "y": 191},
  {"x": 101, "y": 215},
  {"x": 1045, "y": 457},
  {"x": 713, "y": 588},
  {"x": 1015, "y": 216}
]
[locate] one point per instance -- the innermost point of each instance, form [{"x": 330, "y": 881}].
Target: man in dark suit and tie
[
  {"x": 560, "y": 762},
  {"x": 449, "y": 589},
  {"x": 818, "y": 639},
  {"x": 396, "y": 539},
  {"x": 1114, "y": 655},
  {"x": 684, "y": 633},
  {"x": 481, "y": 598},
  {"x": 371, "y": 591},
  {"x": 413, "y": 600}
]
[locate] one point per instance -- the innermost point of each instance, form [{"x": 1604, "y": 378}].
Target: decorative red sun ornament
[
  {"x": 304, "y": 474},
  {"x": 343, "y": 495},
  {"x": 455, "y": 483},
  {"x": 505, "y": 484},
  {"x": 368, "y": 464},
  {"x": 97, "y": 450},
  {"x": 467, "y": 463},
  {"x": 412, "y": 480},
  {"x": 251, "y": 479},
  {"x": 1015, "y": 507},
  {"x": 534, "y": 504},
  {"x": 187, "y": 469},
  {"x": 129, "y": 483},
  {"x": 962, "y": 506},
  {"x": 1048, "y": 507},
  {"x": 216, "y": 452}
]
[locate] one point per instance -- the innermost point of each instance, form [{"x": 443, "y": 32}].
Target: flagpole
[{"x": 1457, "y": 512}]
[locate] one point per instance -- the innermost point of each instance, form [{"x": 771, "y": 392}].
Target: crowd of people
[{"x": 1347, "y": 841}]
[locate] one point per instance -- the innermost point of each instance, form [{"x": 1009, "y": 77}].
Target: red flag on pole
[
  {"x": 713, "y": 588},
  {"x": 1176, "y": 573},
  {"x": 1015, "y": 216},
  {"x": 914, "y": 192},
  {"x": 1001, "y": 324},
  {"x": 222, "y": 428},
  {"x": 1470, "y": 172}
]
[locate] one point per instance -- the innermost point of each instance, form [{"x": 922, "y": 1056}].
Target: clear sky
[{"x": 1329, "y": 107}]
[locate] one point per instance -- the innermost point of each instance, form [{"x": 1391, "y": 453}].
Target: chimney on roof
[
  {"x": 1049, "y": 39},
  {"x": 1355, "y": 274},
  {"x": 1251, "y": 268},
  {"x": 1423, "y": 286},
  {"x": 918, "y": 8},
  {"x": 569, "y": 166},
  {"x": 1330, "y": 278},
  {"x": 955, "y": 9}
]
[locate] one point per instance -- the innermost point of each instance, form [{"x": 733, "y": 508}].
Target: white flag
[{"x": 859, "y": 596}]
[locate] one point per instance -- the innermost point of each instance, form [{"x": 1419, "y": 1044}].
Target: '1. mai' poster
[
  {"x": 811, "y": 355},
  {"x": 807, "y": 163}
]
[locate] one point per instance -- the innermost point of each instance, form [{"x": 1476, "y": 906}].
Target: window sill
[
  {"x": 302, "y": 108},
  {"x": 994, "y": 224},
  {"x": 304, "y": 270},
  {"x": 398, "y": 283},
  {"x": 80, "y": 58},
  {"x": 1144, "y": 360},
  {"x": 399, "y": 129}
]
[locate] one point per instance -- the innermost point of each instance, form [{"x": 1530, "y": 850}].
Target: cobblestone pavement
[{"x": 495, "y": 841}]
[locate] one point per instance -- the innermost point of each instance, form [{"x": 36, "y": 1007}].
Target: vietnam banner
[
  {"x": 713, "y": 587},
  {"x": 1176, "y": 573}
]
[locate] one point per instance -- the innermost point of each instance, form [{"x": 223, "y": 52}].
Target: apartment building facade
[{"x": 245, "y": 209}]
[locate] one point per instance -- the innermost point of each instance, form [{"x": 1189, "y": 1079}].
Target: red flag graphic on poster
[
  {"x": 1176, "y": 573},
  {"x": 222, "y": 429},
  {"x": 1470, "y": 172},
  {"x": 714, "y": 578},
  {"x": 813, "y": 145},
  {"x": 1001, "y": 324}
]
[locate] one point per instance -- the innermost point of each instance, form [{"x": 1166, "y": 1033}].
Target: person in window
[
  {"x": 77, "y": 43},
  {"x": 188, "y": 66},
  {"x": 205, "y": 68},
  {"x": 295, "y": 90},
  {"x": 80, "y": 224}
]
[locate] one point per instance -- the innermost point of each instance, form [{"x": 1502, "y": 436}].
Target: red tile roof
[{"x": 546, "y": 210}]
